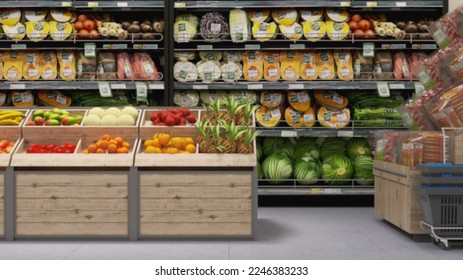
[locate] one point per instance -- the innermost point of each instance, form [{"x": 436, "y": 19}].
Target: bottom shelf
[{"x": 316, "y": 190}]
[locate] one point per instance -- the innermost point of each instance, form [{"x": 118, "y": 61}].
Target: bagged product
[
  {"x": 272, "y": 66},
  {"x": 60, "y": 31},
  {"x": 290, "y": 65},
  {"x": 363, "y": 66},
  {"x": 185, "y": 71},
  {"x": 231, "y": 71},
  {"x": 86, "y": 67},
  {"x": 325, "y": 64},
  {"x": 383, "y": 66},
  {"x": 309, "y": 69},
  {"x": 286, "y": 16},
  {"x": 208, "y": 71},
  {"x": 31, "y": 66},
  {"x": 333, "y": 119},
  {"x": 67, "y": 65},
  {"x": 15, "y": 32},
  {"x": 36, "y": 15},
  {"x": 22, "y": 98},
  {"x": 314, "y": 30},
  {"x": 343, "y": 61},
  {"x": 48, "y": 65},
  {"x": 13, "y": 65},
  {"x": 184, "y": 31},
  {"x": 240, "y": 26},
  {"x": 232, "y": 56},
  {"x": 214, "y": 27},
  {"x": 262, "y": 31},
  {"x": 124, "y": 67},
  {"x": 10, "y": 17},
  {"x": 402, "y": 69},
  {"x": 253, "y": 66},
  {"x": 299, "y": 119},
  {"x": 53, "y": 99},
  {"x": 292, "y": 32},
  {"x": 331, "y": 100},
  {"x": 144, "y": 67},
  {"x": 106, "y": 69},
  {"x": 186, "y": 99},
  {"x": 37, "y": 31},
  {"x": 210, "y": 55}
]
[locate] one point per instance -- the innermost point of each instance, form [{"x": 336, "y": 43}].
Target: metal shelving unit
[
  {"x": 82, "y": 4},
  {"x": 78, "y": 85},
  {"x": 350, "y": 131}
]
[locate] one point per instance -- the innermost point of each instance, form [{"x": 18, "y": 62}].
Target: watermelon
[
  {"x": 337, "y": 169},
  {"x": 287, "y": 150},
  {"x": 306, "y": 148},
  {"x": 259, "y": 171},
  {"x": 363, "y": 170},
  {"x": 307, "y": 173},
  {"x": 332, "y": 146},
  {"x": 258, "y": 150},
  {"x": 358, "y": 147},
  {"x": 277, "y": 168},
  {"x": 272, "y": 144}
]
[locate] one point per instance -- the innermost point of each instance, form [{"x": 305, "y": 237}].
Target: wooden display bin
[
  {"x": 147, "y": 127},
  {"x": 395, "y": 199}
]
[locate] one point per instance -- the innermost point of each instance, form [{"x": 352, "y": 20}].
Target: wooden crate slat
[
  {"x": 193, "y": 179},
  {"x": 72, "y": 192},
  {"x": 195, "y": 204},
  {"x": 2, "y": 228},
  {"x": 71, "y": 216},
  {"x": 195, "y": 192},
  {"x": 69, "y": 179},
  {"x": 71, "y": 229},
  {"x": 195, "y": 216},
  {"x": 179, "y": 229},
  {"x": 59, "y": 204}
]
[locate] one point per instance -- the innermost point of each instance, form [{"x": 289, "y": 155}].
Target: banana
[
  {"x": 19, "y": 119},
  {"x": 9, "y": 122},
  {"x": 7, "y": 112},
  {"x": 11, "y": 115}
]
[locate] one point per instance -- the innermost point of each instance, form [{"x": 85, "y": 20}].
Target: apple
[
  {"x": 4, "y": 144},
  {"x": 52, "y": 122},
  {"x": 67, "y": 121},
  {"x": 30, "y": 123},
  {"x": 39, "y": 120},
  {"x": 39, "y": 113}
]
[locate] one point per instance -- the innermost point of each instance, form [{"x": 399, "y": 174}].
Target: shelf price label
[
  {"x": 252, "y": 47},
  {"x": 200, "y": 87},
  {"x": 383, "y": 89},
  {"x": 142, "y": 92},
  {"x": 115, "y": 46},
  {"x": 105, "y": 89},
  {"x": 424, "y": 46},
  {"x": 396, "y": 86},
  {"x": 295, "y": 86},
  {"x": 255, "y": 86},
  {"x": 419, "y": 89},
  {"x": 393, "y": 46},
  {"x": 66, "y": 4},
  {"x": 18, "y": 46},
  {"x": 289, "y": 133},
  {"x": 345, "y": 4},
  {"x": 297, "y": 46},
  {"x": 180, "y": 5},
  {"x": 368, "y": 49},
  {"x": 346, "y": 133},
  {"x": 156, "y": 86},
  {"x": 90, "y": 50},
  {"x": 122, "y": 4},
  {"x": 331, "y": 191},
  {"x": 372, "y": 4},
  {"x": 17, "y": 86},
  {"x": 93, "y": 4},
  {"x": 401, "y": 4},
  {"x": 118, "y": 86},
  {"x": 145, "y": 46},
  {"x": 205, "y": 47}
]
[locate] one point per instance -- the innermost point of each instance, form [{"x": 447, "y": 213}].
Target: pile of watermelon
[{"x": 307, "y": 160}]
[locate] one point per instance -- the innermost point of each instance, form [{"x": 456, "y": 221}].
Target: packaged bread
[
  {"x": 272, "y": 66},
  {"x": 13, "y": 65},
  {"x": 48, "y": 65},
  {"x": 290, "y": 65},
  {"x": 325, "y": 65},
  {"x": 309, "y": 70},
  {"x": 253, "y": 66},
  {"x": 67, "y": 65},
  {"x": 344, "y": 67},
  {"x": 31, "y": 66}
]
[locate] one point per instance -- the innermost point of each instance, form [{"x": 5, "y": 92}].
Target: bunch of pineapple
[{"x": 227, "y": 131}]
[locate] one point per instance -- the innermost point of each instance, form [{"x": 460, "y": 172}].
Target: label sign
[
  {"x": 419, "y": 89},
  {"x": 368, "y": 49},
  {"x": 401, "y": 4},
  {"x": 296, "y": 86},
  {"x": 142, "y": 92},
  {"x": 383, "y": 89},
  {"x": 396, "y": 86},
  {"x": 345, "y": 4},
  {"x": 372, "y": 4},
  {"x": 118, "y": 86},
  {"x": 156, "y": 86},
  {"x": 424, "y": 46},
  {"x": 105, "y": 89},
  {"x": 255, "y": 86},
  {"x": 393, "y": 46},
  {"x": 297, "y": 46},
  {"x": 122, "y": 4},
  {"x": 205, "y": 47},
  {"x": 17, "y": 86},
  {"x": 18, "y": 46},
  {"x": 115, "y": 46},
  {"x": 331, "y": 191},
  {"x": 289, "y": 133},
  {"x": 200, "y": 87},
  {"x": 349, "y": 133},
  {"x": 90, "y": 50},
  {"x": 93, "y": 4},
  {"x": 66, "y": 4},
  {"x": 145, "y": 46},
  {"x": 252, "y": 47},
  {"x": 180, "y": 5}
]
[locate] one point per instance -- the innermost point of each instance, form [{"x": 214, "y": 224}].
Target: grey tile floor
[{"x": 283, "y": 233}]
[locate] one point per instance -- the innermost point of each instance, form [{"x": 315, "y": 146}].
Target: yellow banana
[
  {"x": 19, "y": 119},
  {"x": 9, "y": 122},
  {"x": 11, "y": 115},
  {"x": 8, "y": 112}
]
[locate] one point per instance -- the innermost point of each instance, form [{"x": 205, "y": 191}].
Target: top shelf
[
  {"x": 226, "y": 4},
  {"x": 83, "y": 4}
]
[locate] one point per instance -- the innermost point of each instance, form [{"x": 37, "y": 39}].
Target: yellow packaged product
[
  {"x": 313, "y": 14},
  {"x": 36, "y": 14},
  {"x": 37, "y": 31},
  {"x": 10, "y": 16},
  {"x": 344, "y": 67},
  {"x": 314, "y": 30},
  {"x": 3, "y": 99},
  {"x": 48, "y": 65},
  {"x": 325, "y": 65},
  {"x": 272, "y": 66},
  {"x": 22, "y": 99},
  {"x": 337, "y": 30},
  {"x": 292, "y": 32},
  {"x": 67, "y": 65},
  {"x": 262, "y": 31},
  {"x": 290, "y": 65},
  {"x": 60, "y": 31},
  {"x": 337, "y": 15},
  {"x": 61, "y": 15},
  {"x": 31, "y": 66},
  {"x": 253, "y": 66},
  {"x": 15, "y": 32},
  {"x": 1, "y": 65},
  {"x": 333, "y": 119},
  {"x": 309, "y": 69},
  {"x": 13, "y": 65},
  {"x": 285, "y": 16},
  {"x": 258, "y": 16}
]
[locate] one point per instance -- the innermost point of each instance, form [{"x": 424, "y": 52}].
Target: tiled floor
[{"x": 284, "y": 233}]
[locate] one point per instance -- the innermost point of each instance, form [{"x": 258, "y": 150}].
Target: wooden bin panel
[
  {"x": 395, "y": 199},
  {"x": 196, "y": 203},
  {"x": 67, "y": 204}
]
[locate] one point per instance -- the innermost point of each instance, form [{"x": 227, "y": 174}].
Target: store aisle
[{"x": 284, "y": 233}]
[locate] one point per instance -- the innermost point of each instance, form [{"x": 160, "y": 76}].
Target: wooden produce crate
[
  {"x": 15, "y": 130},
  {"x": 72, "y": 204},
  {"x": 146, "y": 126},
  {"x": 196, "y": 203},
  {"x": 395, "y": 199},
  {"x": 122, "y": 131},
  {"x": 54, "y": 131}
]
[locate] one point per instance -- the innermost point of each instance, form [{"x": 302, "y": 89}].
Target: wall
[{"x": 453, "y": 4}]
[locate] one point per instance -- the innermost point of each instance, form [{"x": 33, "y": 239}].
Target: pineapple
[
  {"x": 248, "y": 115},
  {"x": 216, "y": 146},
  {"x": 232, "y": 134},
  {"x": 207, "y": 113},
  {"x": 246, "y": 146},
  {"x": 204, "y": 139},
  {"x": 234, "y": 108},
  {"x": 214, "y": 112}
]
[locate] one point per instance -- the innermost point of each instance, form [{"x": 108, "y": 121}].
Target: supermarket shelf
[
  {"x": 296, "y": 85},
  {"x": 304, "y": 3},
  {"x": 82, "y": 4},
  {"x": 351, "y": 131},
  {"x": 80, "y": 45},
  {"x": 77, "y": 85},
  {"x": 316, "y": 190}
]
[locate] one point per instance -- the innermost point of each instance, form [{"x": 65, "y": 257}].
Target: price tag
[
  {"x": 18, "y": 46},
  {"x": 145, "y": 46},
  {"x": 396, "y": 86},
  {"x": 200, "y": 87},
  {"x": 419, "y": 89},
  {"x": 142, "y": 92},
  {"x": 296, "y": 86},
  {"x": 288, "y": 133},
  {"x": 115, "y": 46},
  {"x": 118, "y": 86},
  {"x": 368, "y": 49},
  {"x": 156, "y": 86},
  {"x": 205, "y": 47},
  {"x": 345, "y": 4},
  {"x": 424, "y": 46},
  {"x": 105, "y": 89},
  {"x": 92, "y": 4},
  {"x": 180, "y": 5},
  {"x": 398, "y": 46},
  {"x": 314, "y": 190},
  {"x": 401, "y": 4},
  {"x": 255, "y": 86},
  {"x": 17, "y": 86},
  {"x": 346, "y": 133},
  {"x": 66, "y": 4},
  {"x": 122, "y": 4},
  {"x": 331, "y": 191},
  {"x": 372, "y": 4},
  {"x": 90, "y": 50},
  {"x": 297, "y": 46},
  {"x": 383, "y": 89},
  {"x": 252, "y": 47}
]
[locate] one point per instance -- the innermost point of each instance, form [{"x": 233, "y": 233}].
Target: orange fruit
[
  {"x": 92, "y": 148},
  {"x": 112, "y": 148},
  {"x": 172, "y": 150},
  {"x": 104, "y": 144},
  {"x": 98, "y": 143},
  {"x": 190, "y": 148},
  {"x": 164, "y": 139},
  {"x": 85, "y": 152},
  {"x": 189, "y": 140},
  {"x": 119, "y": 141},
  {"x": 120, "y": 151},
  {"x": 178, "y": 143},
  {"x": 185, "y": 152},
  {"x": 106, "y": 137},
  {"x": 150, "y": 150},
  {"x": 100, "y": 151},
  {"x": 126, "y": 145},
  {"x": 148, "y": 143},
  {"x": 157, "y": 150},
  {"x": 123, "y": 150},
  {"x": 155, "y": 143},
  {"x": 112, "y": 141}
]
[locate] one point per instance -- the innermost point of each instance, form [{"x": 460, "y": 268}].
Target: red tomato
[
  {"x": 364, "y": 25},
  {"x": 89, "y": 25}
]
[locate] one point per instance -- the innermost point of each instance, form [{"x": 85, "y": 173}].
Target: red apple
[{"x": 39, "y": 120}]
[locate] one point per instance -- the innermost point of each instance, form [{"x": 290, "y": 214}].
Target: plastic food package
[
  {"x": 231, "y": 71},
  {"x": 292, "y": 32},
  {"x": 402, "y": 69},
  {"x": 86, "y": 67},
  {"x": 383, "y": 66},
  {"x": 344, "y": 68},
  {"x": 363, "y": 66},
  {"x": 309, "y": 69},
  {"x": 125, "y": 69},
  {"x": 37, "y": 31},
  {"x": 285, "y": 16},
  {"x": 263, "y": 31},
  {"x": 13, "y": 65},
  {"x": 312, "y": 14},
  {"x": 67, "y": 65},
  {"x": 214, "y": 27},
  {"x": 144, "y": 67},
  {"x": 240, "y": 26},
  {"x": 48, "y": 65},
  {"x": 314, "y": 30},
  {"x": 106, "y": 69},
  {"x": 210, "y": 55},
  {"x": 209, "y": 71},
  {"x": 290, "y": 65},
  {"x": 253, "y": 66},
  {"x": 31, "y": 66},
  {"x": 209, "y": 97},
  {"x": 185, "y": 71},
  {"x": 272, "y": 66},
  {"x": 10, "y": 17},
  {"x": 325, "y": 64},
  {"x": 186, "y": 99}
]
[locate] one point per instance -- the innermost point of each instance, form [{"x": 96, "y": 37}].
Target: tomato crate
[{"x": 147, "y": 126}]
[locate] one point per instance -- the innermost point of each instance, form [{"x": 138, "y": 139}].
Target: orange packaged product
[
  {"x": 48, "y": 65},
  {"x": 309, "y": 70},
  {"x": 253, "y": 66},
  {"x": 272, "y": 66},
  {"x": 31, "y": 66},
  {"x": 13, "y": 65}
]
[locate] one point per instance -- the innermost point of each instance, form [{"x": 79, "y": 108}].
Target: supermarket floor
[{"x": 284, "y": 233}]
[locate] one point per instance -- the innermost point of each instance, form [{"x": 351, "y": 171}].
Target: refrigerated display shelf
[
  {"x": 315, "y": 190},
  {"x": 82, "y": 4},
  {"x": 323, "y": 131},
  {"x": 77, "y": 85},
  {"x": 80, "y": 45}
]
